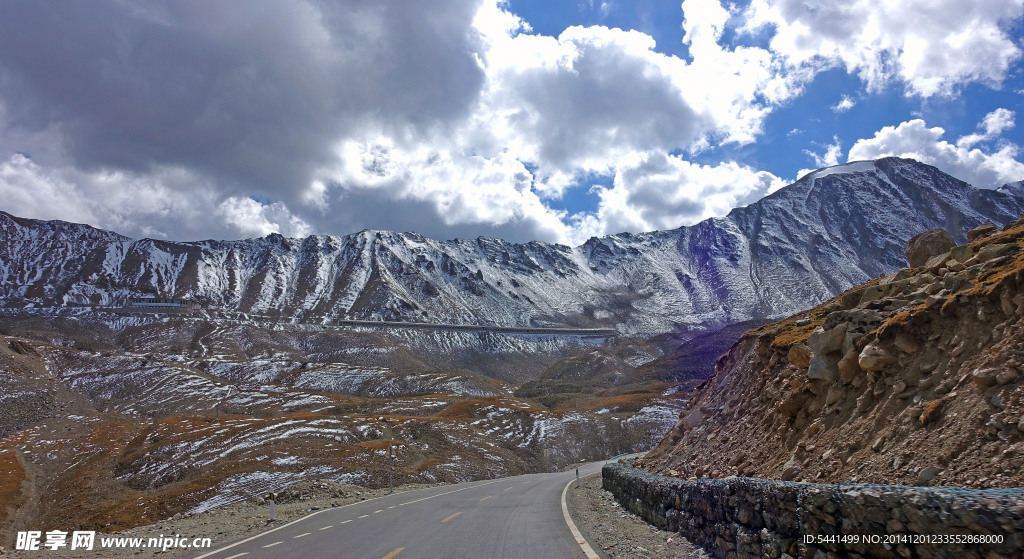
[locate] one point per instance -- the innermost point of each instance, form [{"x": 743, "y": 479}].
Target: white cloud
[
  {"x": 252, "y": 218},
  {"x": 844, "y": 104},
  {"x": 448, "y": 118},
  {"x": 459, "y": 189},
  {"x": 914, "y": 139},
  {"x": 994, "y": 124},
  {"x": 658, "y": 191},
  {"x": 829, "y": 158},
  {"x": 164, "y": 203},
  {"x": 554, "y": 110},
  {"x": 932, "y": 46}
]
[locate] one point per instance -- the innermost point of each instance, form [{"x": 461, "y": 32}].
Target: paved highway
[{"x": 510, "y": 518}]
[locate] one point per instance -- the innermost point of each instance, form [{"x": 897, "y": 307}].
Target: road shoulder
[{"x": 615, "y": 533}]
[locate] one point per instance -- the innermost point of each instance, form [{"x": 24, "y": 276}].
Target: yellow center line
[
  {"x": 451, "y": 517},
  {"x": 508, "y": 489},
  {"x": 393, "y": 553},
  {"x": 487, "y": 497}
]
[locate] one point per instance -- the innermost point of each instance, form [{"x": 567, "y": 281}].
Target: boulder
[
  {"x": 834, "y": 395},
  {"x": 791, "y": 406},
  {"x": 985, "y": 377},
  {"x": 898, "y": 275},
  {"x": 982, "y": 231},
  {"x": 936, "y": 262},
  {"x": 823, "y": 341},
  {"x": 848, "y": 366},
  {"x": 927, "y": 474},
  {"x": 875, "y": 358},
  {"x": 823, "y": 368},
  {"x": 791, "y": 473},
  {"x": 961, "y": 253},
  {"x": 1006, "y": 376},
  {"x": 990, "y": 252},
  {"x": 799, "y": 355},
  {"x": 931, "y": 412},
  {"x": 928, "y": 244}
]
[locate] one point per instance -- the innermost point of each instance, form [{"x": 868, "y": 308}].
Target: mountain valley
[{"x": 111, "y": 418}]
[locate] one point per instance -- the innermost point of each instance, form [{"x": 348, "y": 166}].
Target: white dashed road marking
[{"x": 273, "y": 544}]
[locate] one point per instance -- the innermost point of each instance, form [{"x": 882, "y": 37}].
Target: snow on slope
[{"x": 833, "y": 228}]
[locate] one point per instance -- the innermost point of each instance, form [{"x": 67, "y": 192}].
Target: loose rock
[
  {"x": 875, "y": 358},
  {"x": 928, "y": 244},
  {"x": 982, "y": 231}
]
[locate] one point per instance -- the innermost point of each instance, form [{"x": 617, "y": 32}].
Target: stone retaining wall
[{"x": 745, "y": 517}]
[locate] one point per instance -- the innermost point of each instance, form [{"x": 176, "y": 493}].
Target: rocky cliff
[{"x": 913, "y": 378}]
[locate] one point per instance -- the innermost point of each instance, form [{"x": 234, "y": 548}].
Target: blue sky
[
  {"x": 807, "y": 123},
  {"x": 526, "y": 119}
]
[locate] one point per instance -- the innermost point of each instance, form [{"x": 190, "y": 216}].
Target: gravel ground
[{"x": 616, "y": 533}]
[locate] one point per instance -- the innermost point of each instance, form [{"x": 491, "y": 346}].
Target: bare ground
[{"x": 616, "y": 533}]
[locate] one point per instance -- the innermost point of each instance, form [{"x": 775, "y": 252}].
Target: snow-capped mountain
[{"x": 833, "y": 228}]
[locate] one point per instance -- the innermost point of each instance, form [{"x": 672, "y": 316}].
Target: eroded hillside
[
  {"x": 914, "y": 378},
  {"x": 111, "y": 421}
]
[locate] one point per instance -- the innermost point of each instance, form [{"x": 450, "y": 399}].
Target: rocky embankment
[{"x": 913, "y": 379}]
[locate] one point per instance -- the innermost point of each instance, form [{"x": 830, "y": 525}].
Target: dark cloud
[{"x": 254, "y": 94}]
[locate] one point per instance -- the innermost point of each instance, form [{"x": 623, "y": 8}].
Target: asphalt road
[{"x": 510, "y": 518}]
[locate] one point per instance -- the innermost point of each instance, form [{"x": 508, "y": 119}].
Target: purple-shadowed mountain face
[{"x": 833, "y": 228}]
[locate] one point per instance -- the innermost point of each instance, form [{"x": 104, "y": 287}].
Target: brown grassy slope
[
  {"x": 12, "y": 491},
  {"x": 928, "y": 388}
]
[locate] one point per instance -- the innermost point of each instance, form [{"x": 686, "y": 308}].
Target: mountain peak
[{"x": 834, "y": 228}]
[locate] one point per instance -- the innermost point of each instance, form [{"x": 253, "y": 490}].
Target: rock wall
[{"x": 746, "y": 517}]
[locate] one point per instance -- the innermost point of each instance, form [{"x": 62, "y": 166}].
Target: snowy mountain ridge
[{"x": 831, "y": 229}]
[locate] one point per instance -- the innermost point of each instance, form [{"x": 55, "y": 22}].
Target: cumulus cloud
[
  {"x": 251, "y": 217},
  {"x": 469, "y": 121},
  {"x": 994, "y": 124},
  {"x": 658, "y": 191},
  {"x": 249, "y": 97},
  {"x": 828, "y": 158},
  {"x": 844, "y": 104},
  {"x": 988, "y": 168},
  {"x": 166, "y": 200},
  {"x": 451, "y": 118},
  {"x": 931, "y": 46}
]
